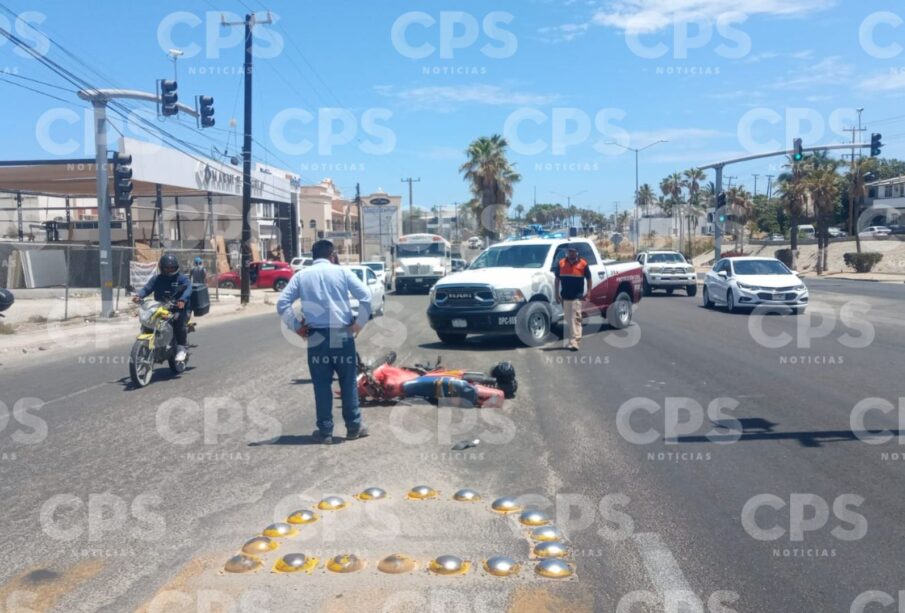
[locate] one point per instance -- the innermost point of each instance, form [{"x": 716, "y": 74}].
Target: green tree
[
  {"x": 822, "y": 185},
  {"x": 491, "y": 179}
]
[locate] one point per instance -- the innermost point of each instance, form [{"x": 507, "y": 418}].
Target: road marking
[
  {"x": 74, "y": 394},
  {"x": 665, "y": 574}
]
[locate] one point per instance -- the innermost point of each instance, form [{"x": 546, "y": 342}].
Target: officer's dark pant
[{"x": 333, "y": 351}]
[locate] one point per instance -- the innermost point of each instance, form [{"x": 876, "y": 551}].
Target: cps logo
[
  {"x": 180, "y": 30},
  {"x": 333, "y": 127},
  {"x": 457, "y": 30},
  {"x": 692, "y": 32},
  {"x": 23, "y": 27},
  {"x": 881, "y": 46},
  {"x": 21, "y": 424},
  {"x": 568, "y": 127},
  {"x": 67, "y": 517},
  {"x": 804, "y": 513}
]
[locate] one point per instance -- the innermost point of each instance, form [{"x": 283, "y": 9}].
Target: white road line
[{"x": 665, "y": 574}]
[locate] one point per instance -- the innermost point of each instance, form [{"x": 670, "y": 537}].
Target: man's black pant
[{"x": 180, "y": 331}]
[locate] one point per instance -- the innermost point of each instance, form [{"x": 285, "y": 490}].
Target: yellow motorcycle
[{"x": 156, "y": 343}]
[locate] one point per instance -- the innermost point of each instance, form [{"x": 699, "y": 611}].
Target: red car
[{"x": 263, "y": 275}]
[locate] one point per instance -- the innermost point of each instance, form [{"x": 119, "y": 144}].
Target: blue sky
[{"x": 386, "y": 90}]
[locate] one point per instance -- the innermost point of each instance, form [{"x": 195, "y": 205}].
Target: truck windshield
[
  {"x": 375, "y": 266},
  {"x": 420, "y": 250},
  {"x": 665, "y": 258},
  {"x": 512, "y": 256}
]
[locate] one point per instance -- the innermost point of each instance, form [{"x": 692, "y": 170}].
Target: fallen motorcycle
[
  {"x": 383, "y": 381},
  {"x": 6, "y": 300}
]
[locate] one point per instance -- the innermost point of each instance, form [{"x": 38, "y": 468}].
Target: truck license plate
[{"x": 459, "y": 323}]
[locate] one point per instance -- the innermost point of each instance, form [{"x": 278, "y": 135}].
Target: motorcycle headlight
[
  {"x": 145, "y": 315},
  {"x": 508, "y": 296}
]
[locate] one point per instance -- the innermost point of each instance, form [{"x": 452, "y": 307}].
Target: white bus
[{"x": 421, "y": 260}]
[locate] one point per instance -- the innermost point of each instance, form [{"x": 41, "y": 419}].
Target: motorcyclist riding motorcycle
[{"x": 167, "y": 285}]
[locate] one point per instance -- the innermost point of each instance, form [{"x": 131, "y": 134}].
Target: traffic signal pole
[{"x": 717, "y": 226}]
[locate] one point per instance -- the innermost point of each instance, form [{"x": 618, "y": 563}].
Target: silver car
[{"x": 750, "y": 281}]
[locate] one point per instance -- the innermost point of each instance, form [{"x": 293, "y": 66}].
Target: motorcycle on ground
[
  {"x": 382, "y": 381},
  {"x": 6, "y": 300},
  {"x": 156, "y": 343}
]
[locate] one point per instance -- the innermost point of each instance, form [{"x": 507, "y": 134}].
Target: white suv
[{"x": 667, "y": 270}]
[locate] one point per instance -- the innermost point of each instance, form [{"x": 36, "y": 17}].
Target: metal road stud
[
  {"x": 421, "y": 492},
  {"x": 449, "y": 565},
  {"x": 295, "y": 562},
  {"x": 345, "y": 563},
  {"x": 396, "y": 564},
  {"x": 501, "y": 566},
  {"x": 302, "y": 516},
  {"x": 259, "y": 544},
  {"x": 554, "y": 569},
  {"x": 467, "y": 495},
  {"x": 242, "y": 563},
  {"x": 280, "y": 530},
  {"x": 551, "y": 549},
  {"x": 505, "y": 505},
  {"x": 546, "y": 533},
  {"x": 372, "y": 493},
  {"x": 332, "y": 503},
  {"x": 533, "y": 518}
]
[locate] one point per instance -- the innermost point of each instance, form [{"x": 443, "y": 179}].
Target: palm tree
[
  {"x": 674, "y": 184},
  {"x": 519, "y": 209},
  {"x": 822, "y": 185},
  {"x": 622, "y": 220},
  {"x": 741, "y": 204},
  {"x": 491, "y": 179},
  {"x": 645, "y": 199},
  {"x": 794, "y": 197},
  {"x": 693, "y": 179},
  {"x": 856, "y": 180}
]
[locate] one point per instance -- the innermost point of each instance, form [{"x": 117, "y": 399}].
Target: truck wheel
[
  {"x": 691, "y": 290},
  {"x": 279, "y": 285},
  {"x": 619, "y": 314},
  {"x": 227, "y": 285},
  {"x": 646, "y": 289},
  {"x": 451, "y": 338},
  {"x": 533, "y": 324}
]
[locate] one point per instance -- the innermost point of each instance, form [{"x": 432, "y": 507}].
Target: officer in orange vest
[{"x": 571, "y": 290}]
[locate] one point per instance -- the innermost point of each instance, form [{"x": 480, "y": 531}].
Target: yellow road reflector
[
  {"x": 372, "y": 493},
  {"x": 421, "y": 492},
  {"x": 554, "y": 569},
  {"x": 396, "y": 564},
  {"x": 302, "y": 516},
  {"x": 242, "y": 563},
  {"x": 551, "y": 549},
  {"x": 546, "y": 533},
  {"x": 280, "y": 530},
  {"x": 467, "y": 495},
  {"x": 533, "y": 518},
  {"x": 332, "y": 503},
  {"x": 449, "y": 565},
  {"x": 295, "y": 562},
  {"x": 259, "y": 544},
  {"x": 505, "y": 505},
  {"x": 501, "y": 566},
  {"x": 345, "y": 563}
]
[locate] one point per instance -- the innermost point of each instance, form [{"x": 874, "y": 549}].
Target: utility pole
[
  {"x": 361, "y": 225},
  {"x": 250, "y": 22},
  {"x": 637, "y": 150},
  {"x": 411, "y": 203},
  {"x": 755, "y": 185},
  {"x": 769, "y": 187}
]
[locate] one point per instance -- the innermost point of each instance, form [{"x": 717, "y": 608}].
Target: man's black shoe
[
  {"x": 360, "y": 432},
  {"x": 322, "y": 438},
  {"x": 573, "y": 348}
]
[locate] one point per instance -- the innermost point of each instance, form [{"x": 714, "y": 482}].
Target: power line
[{"x": 37, "y": 91}]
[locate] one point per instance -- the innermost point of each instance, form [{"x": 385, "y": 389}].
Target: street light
[
  {"x": 569, "y": 200},
  {"x": 637, "y": 151}
]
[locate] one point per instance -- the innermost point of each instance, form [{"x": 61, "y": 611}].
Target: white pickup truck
[
  {"x": 508, "y": 290},
  {"x": 667, "y": 270}
]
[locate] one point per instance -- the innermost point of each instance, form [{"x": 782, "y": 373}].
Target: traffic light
[
  {"x": 122, "y": 181},
  {"x": 798, "y": 152},
  {"x": 206, "y": 111},
  {"x": 876, "y": 144},
  {"x": 168, "y": 98},
  {"x": 721, "y": 200}
]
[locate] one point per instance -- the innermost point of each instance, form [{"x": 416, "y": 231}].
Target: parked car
[
  {"x": 383, "y": 273},
  {"x": 875, "y": 232},
  {"x": 750, "y": 281},
  {"x": 836, "y": 232},
  {"x": 378, "y": 290},
  {"x": 508, "y": 291},
  {"x": 776, "y": 238},
  {"x": 301, "y": 263},
  {"x": 667, "y": 270},
  {"x": 475, "y": 242},
  {"x": 806, "y": 231},
  {"x": 262, "y": 275},
  {"x": 896, "y": 229},
  {"x": 458, "y": 264}
]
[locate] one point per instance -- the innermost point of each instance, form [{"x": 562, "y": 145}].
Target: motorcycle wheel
[{"x": 141, "y": 364}]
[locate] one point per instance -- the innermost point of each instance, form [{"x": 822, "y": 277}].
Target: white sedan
[
  {"x": 751, "y": 281},
  {"x": 875, "y": 232},
  {"x": 378, "y": 293}
]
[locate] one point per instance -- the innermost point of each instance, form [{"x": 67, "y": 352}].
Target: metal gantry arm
[{"x": 103, "y": 95}]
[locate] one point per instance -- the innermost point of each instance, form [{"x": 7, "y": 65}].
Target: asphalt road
[{"x": 698, "y": 461}]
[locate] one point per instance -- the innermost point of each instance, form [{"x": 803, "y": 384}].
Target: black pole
[
  {"x": 246, "y": 169},
  {"x": 361, "y": 225}
]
